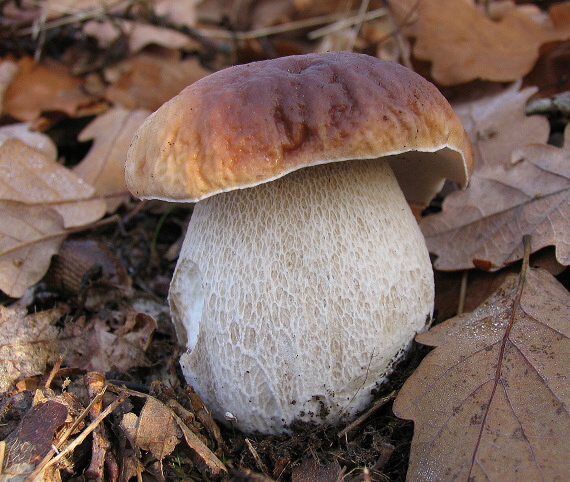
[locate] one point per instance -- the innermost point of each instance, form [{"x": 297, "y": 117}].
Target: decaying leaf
[
  {"x": 483, "y": 225},
  {"x": 491, "y": 401},
  {"x": 155, "y": 430},
  {"x": 27, "y": 344},
  {"x": 463, "y": 44},
  {"x": 159, "y": 429},
  {"x": 30, "y": 177},
  {"x": 103, "y": 166},
  {"x": 29, "y": 236},
  {"x": 97, "y": 347}
]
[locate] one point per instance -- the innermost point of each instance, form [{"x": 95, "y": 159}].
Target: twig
[
  {"x": 257, "y": 458},
  {"x": 54, "y": 372},
  {"x": 2, "y": 454},
  {"x": 79, "y": 439},
  {"x": 347, "y": 22},
  {"x": 377, "y": 404},
  {"x": 462, "y": 292}
]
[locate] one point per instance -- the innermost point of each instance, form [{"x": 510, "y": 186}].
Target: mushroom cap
[{"x": 253, "y": 123}]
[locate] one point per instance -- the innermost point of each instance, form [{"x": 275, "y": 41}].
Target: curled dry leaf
[
  {"x": 29, "y": 236},
  {"x": 463, "y": 44},
  {"x": 155, "y": 430},
  {"x": 483, "y": 225},
  {"x": 27, "y": 344},
  {"x": 491, "y": 401},
  {"x": 31, "y": 178},
  {"x": 103, "y": 166}
]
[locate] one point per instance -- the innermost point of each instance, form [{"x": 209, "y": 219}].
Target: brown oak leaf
[
  {"x": 491, "y": 401},
  {"x": 483, "y": 226}
]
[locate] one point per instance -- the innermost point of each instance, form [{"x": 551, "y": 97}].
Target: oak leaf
[
  {"x": 29, "y": 236},
  {"x": 29, "y": 177},
  {"x": 150, "y": 78},
  {"x": 103, "y": 167},
  {"x": 491, "y": 401},
  {"x": 463, "y": 44},
  {"x": 38, "y": 88},
  {"x": 37, "y": 140},
  {"x": 512, "y": 192}
]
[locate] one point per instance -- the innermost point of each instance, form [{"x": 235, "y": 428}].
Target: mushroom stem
[{"x": 294, "y": 297}]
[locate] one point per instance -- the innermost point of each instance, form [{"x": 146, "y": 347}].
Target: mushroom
[{"x": 303, "y": 276}]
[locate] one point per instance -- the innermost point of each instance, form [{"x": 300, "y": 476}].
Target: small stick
[
  {"x": 257, "y": 458},
  {"x": 377, "y": 404},
  {"x": 462, "y": 292}
]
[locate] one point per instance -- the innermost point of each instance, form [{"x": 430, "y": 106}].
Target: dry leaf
[
  {"x": 44, "y": 87},
  {"x": 138, "y": 35},
  {"x": 27, "y": 343},
  {"x": 147, "y": 80},
  {"x": 491, "y": 401},
  {"x": 483, "y": 226},
  {"x": 37, "y": 140},
  {"x": 103, "y": 167},
  {"x": 155, "y": 430},
  {"x": 95, "y": 347},
  {"x": 29, "y": 236},
  {"x": 8, "y": 70},
  {"x": 496, "y": 122},
  {"x": 463, "y": 44},
  {"x": 32, "y": 178}
]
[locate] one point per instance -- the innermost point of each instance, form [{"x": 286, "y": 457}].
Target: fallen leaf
[
  {"x": 95, "y": 346},
  {"x": 30, "y": 177},
  {"x": 103, "y": 167},
  {"x": 150, "y": 78},
  {"x": 38, "y": 88},
  {"x": 491, "y": 401},
  {"x": 29, "y": 236},
  {"x": 463, "y": 44},
  {"x": 27, "y": 343},
  {"x": 138, "y": 35},
  {"x": 8, "y": 70},
  {"x": 496, "y": 122},
  {"x": 34, "y": 139},
  {"x": 155, "y": 430},
  {"x": 483, "y": 226}
]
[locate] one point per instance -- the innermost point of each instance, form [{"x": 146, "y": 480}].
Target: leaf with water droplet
[{"x": 491, "y": 401}]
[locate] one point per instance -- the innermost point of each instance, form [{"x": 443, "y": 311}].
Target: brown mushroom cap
[{"x": 254, "y": 123}]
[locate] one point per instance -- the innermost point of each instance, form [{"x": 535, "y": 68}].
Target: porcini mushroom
[{"x": 303, "y": 275}]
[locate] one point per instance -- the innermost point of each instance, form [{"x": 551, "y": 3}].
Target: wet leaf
[{"x": 491, "y": 401}]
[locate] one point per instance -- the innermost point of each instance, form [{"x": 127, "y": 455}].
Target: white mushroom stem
[{"x": 295, "y": 297}]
